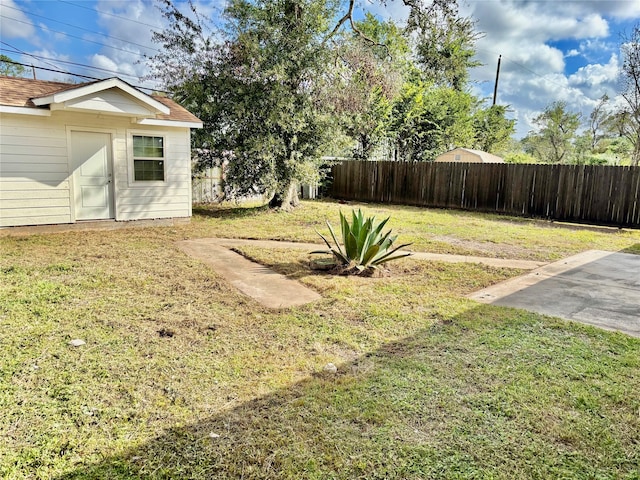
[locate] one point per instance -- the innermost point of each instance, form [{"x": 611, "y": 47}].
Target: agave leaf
[
  {"x": 386, "y": 257},
  {"x": 340, "y": 257},
  {"x": 351, "y": 247},
  {"x": 386, "y": 241},
  {"x": 356, "y": 223},
  {"x": 379, "y": 228},
  {"x": 370, "y": 254},
  {"x": 346, "y": 230},
  {"x": 325, "y": 240},
  {"x": 364, "y": 238},
  {"x": 333, "y": 235}
]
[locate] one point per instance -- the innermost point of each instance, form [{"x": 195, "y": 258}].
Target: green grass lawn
[{"x": 183, "y": 377}]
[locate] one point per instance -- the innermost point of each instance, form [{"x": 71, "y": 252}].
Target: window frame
[{"x": 133, "y": 158}]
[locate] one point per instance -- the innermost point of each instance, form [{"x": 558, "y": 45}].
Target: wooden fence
[
  {"x": 602, "y": 195},
  {"x": 207, "y": 185}
]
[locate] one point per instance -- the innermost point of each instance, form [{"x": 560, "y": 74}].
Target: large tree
[
  {"x": 553, "y": 141},
  {"x": 255, "y": 90},
  {"x": 260, "y": 84},
  {"x": 631, "y": 91},
  {"x": 365, "y": 80},
  {"x": 445, "y": 45},
  {"x": 429, "y": 120}
]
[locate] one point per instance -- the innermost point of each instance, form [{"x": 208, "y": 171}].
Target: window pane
[
  {"x": 148, "y": 170},
  {"x": 148, "y": 146}
]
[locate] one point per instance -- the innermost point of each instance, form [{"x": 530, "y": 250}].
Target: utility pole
[{"x": 495, "y": 88}]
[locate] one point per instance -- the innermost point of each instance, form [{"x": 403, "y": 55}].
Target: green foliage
[
  {"x": 492, "y": 129},
  {"x": 364, "y": 81},
  {"x": 429, "y": 120},
  {"x": 364, "y": 246},
  {"x": 553, "y": 142},
  {"x": 256, "y": 91},
  {"x": 630, "y": 74},
  {"x": 444, "y": 45},
  {"x": 519, "y": 157},
  {"x": 11, "y": 69}
]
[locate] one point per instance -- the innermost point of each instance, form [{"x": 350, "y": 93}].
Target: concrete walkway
[
  {"x": 594, "y": 287},
  {"x": 436, "y": 257},
  {"x": 256, "y": 281},
  {"x": 277, "y": 291}
]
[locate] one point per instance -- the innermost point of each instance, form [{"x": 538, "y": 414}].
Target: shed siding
[
  {"x": 34, "y": 171},
  {"x": 36, "y": 182}
]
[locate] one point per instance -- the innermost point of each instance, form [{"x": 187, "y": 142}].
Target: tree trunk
[
  {"x": 286, "y": 199},
  {"x": 635, "y": 156}
]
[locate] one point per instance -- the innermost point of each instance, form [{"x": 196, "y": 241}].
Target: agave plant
[{"x": 364, "y": 246}]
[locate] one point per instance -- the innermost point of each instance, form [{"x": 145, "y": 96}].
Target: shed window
[
  {"x": 457, "y": 157},
  {"x": 148, "y": 159}
]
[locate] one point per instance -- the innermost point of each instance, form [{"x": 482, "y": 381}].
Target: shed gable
[{"x": 110, "y": 102}]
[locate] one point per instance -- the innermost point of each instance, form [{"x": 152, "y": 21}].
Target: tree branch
[{"x": 349, "y": 17}]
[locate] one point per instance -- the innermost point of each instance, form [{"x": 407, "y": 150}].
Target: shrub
[{"x": 364, "y": 247}]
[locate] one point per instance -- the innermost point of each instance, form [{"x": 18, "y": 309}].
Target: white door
[{"x": 92, "y": 175}]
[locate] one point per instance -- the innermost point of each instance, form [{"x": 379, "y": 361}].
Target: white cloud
[
  {"x": 535, "y": 71},
  {"x": 620, "y": 9},
  {"x": 13, "y": 22},
  {"x": 596, "y": 74}
]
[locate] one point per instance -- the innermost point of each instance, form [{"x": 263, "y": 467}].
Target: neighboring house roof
[
  {"x": 486, "y": 157},
  {"x": 44, "y": 95}
]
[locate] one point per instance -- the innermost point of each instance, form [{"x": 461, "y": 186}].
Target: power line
[
  {"x": 44, "y": 27},
  {"x": 108, "y": 13},
  {"x": 51, "y": 70},
  {"x": 79, "y": 28},
  {"x": 17, "y": 50},
  {"x": 80, "y": 75},
  {"x": 543, "y": 77},
  {"x": 90, "y": 67}
]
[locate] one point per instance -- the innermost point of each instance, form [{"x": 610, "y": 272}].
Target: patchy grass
[
  {"x": 183, "y": 377},
  {"x": 430, "y": 230}
]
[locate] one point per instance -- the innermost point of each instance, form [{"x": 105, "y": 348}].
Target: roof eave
[
  {"x": 168, "y": 123},
  {"x": 43, "y": 112}
]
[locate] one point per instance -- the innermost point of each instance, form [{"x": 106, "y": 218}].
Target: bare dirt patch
[{"x": 498, "y": 250}]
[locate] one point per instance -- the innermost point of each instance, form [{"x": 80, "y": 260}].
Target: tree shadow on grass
[
  {"x": 635, "y": 249},
  {"x": 485, "y": 393}
]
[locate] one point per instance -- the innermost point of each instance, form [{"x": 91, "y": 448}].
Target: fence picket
[{"x": 604, "y": 195}]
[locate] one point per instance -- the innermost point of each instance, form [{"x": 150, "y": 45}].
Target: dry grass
[{"x": 183, "y": 377}]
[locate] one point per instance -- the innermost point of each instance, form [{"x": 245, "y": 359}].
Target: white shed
[
  {"x": 92, "y": 151},
  {"x": 468, "y": 155}
]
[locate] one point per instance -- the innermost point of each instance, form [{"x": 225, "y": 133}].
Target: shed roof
[
  {"x": 21, "y": 92},
  {"x": 486, "y": 157}
]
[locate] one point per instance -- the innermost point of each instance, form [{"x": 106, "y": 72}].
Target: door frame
[{"x": 72, "y": 187}]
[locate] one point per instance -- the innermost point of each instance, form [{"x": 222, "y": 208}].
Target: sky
[{"x": 552, "y": 50}]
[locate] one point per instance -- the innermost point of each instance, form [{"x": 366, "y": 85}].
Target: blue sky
[{"x": 551, "y": 50}]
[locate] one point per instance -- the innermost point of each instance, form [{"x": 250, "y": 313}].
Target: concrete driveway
[{"x": 594, "y": 287}]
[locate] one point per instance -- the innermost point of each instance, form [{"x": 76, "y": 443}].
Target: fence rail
[{"x": 603, "y": 195}]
